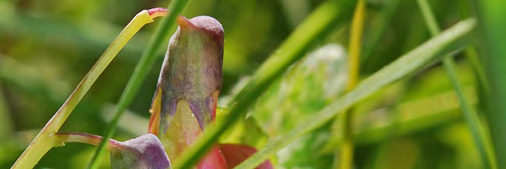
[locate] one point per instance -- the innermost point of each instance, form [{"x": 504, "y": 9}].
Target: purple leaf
[
  {"x": 235, "y": 154},
  {"x": 145, "y": 151}
]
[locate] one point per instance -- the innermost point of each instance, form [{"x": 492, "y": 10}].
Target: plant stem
[
  {"x": 44, "y": 141},
  {"x": 471, "y": 53},
  {"x": 82, "y": 138},
  {"x": 142, "y": 69},
  {"x": 470, "y": 115},
  {"x": 357, "y": 26}
]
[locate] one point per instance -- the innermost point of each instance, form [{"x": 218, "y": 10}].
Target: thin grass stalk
[
  {"x": 470, "y": 115},
  {"x": 378, "y": 31},
  {"x": 492, "y": 35},
  {"x": 471, "y": 52},
  {"x": 355, "y": 47}
]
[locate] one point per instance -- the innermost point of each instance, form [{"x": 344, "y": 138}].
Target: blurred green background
[{"x": 46, "y": 48}]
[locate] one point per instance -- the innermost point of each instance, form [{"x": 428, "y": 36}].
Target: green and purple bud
[
  {"x": 184, "y": 103},
  {"x": 188, "y": 86},
  {"x": 187, "y": 93},
  {"x": 145, "y": 151},
  {"x": 192, "y": 70}
]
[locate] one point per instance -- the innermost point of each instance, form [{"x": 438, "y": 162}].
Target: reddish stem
[
  {"x": 157, "y": 12},
  {"x": 72, "y": 137}
]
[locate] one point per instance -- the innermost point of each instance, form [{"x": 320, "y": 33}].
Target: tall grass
[
  {"x": 383, "y": 54},
  {"x": 492, "y": 35},
  {"x": 469, "y": 112},
  {"x": 445, "y": 43}
]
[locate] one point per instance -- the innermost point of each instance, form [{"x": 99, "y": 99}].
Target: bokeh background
[{"x": 46, "y": 48}]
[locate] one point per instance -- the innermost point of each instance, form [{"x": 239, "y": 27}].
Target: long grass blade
[
  {"x": 44, "y": 141},
  {"x": 355, "y": 49},
  {"x": 448, "y": 41},
  {"x": 491, "y": 18},
  {"x": 470, "y": 114}
]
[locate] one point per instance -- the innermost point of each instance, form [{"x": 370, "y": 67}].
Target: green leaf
[
  {"x": 470, "y": 114},
  {"x": 306, "y": 87},
  {"x": 491, "y": 17}
]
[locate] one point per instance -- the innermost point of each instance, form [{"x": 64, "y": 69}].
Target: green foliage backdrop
[{"x": 405, "y": 115}]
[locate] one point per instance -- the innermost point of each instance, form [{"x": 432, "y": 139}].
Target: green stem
[
  {"x": 142, "y": 69},
  {"x": 470, "y": 115},
  {"x": 492, "y": 24},
  {"x": 45, "y": 140},
  {"x": 357, "y": 26},
  {"x": 471, "y": 53},
  {"x": 319, "y": 24},
  {"x": 378, "y": 31}
]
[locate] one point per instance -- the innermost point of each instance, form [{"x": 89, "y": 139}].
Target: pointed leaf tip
[{"x": 183, "y": 22}]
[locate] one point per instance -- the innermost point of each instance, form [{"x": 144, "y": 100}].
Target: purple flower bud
[
  {"x": 188, "y": 87},
  {"x": 145, "y": 151},
  {"x": 192, "y": 71}
]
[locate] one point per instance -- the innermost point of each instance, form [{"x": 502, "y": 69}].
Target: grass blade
[
  {"x": 377, "y": 32},
  {"x": 491, "y": 18},
  {"x": 448, "y": 41},
  {"x": 470, "y": 115},
  {"x": 319, "y": 24},
  {"x": 44, "y": 141},
  {"x": 355, "y": 48},
  {"x": 159, "y": 40}
]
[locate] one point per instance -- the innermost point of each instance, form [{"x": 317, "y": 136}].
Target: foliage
[{"x": 407, "y": 113}]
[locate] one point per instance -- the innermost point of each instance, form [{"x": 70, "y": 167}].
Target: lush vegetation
[{"x": 318, "y": 84}]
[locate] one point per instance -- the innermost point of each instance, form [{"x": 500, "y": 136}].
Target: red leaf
[{"x": 235, "y": 154}]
